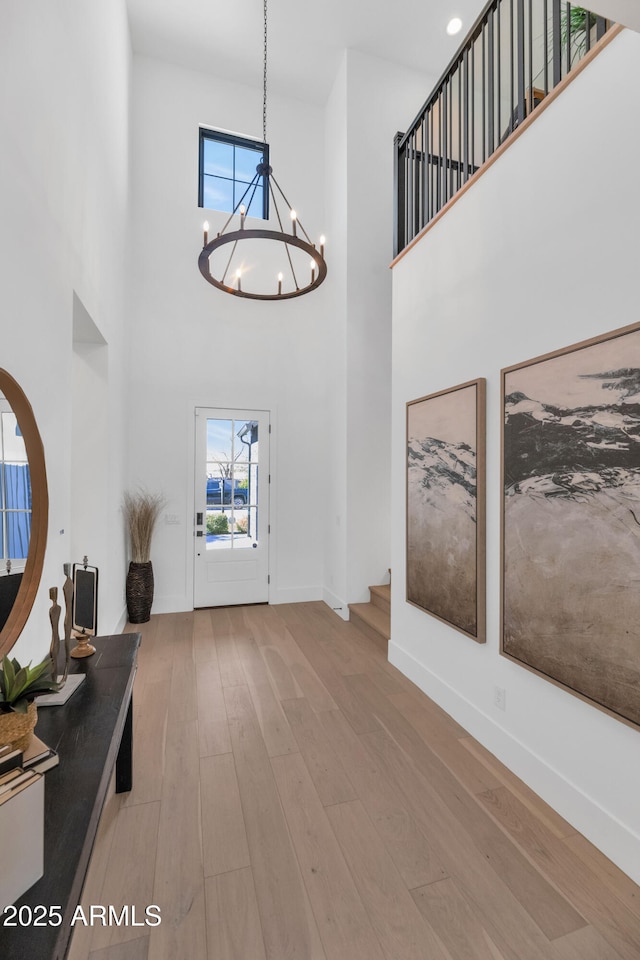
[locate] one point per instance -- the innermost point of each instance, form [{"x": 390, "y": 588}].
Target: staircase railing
[{"x": 516, "y": 52}]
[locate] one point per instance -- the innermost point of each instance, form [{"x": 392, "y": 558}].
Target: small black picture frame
[{"x": 85, "y": 599}]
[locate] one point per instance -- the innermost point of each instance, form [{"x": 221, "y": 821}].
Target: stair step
[
  {"x": 381, "y": 596},
  {"x": 371, "y": 620}
]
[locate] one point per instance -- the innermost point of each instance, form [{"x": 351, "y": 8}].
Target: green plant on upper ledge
[
  {"x": 19, "y": 685},
  {"x": 576, "y": 26}
]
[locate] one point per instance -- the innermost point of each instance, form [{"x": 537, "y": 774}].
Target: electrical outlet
[{"x": 500, "y": 698}]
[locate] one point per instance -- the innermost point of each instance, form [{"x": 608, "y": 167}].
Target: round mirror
[{"x": 24, "y": 508}]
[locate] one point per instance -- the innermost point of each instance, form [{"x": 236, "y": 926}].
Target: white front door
[{"x": 231, "y": 507}]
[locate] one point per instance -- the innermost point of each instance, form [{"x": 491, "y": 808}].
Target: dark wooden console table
[{"x": 92, "y": 732}]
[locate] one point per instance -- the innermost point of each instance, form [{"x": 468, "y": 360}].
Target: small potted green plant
[{"x": 19, "y": 686}]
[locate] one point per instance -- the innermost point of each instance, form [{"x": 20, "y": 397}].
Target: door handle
[{"x": 199, "y": 533}]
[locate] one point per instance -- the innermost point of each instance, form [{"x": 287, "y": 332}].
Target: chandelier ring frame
[{"x": 236, "y": 236}]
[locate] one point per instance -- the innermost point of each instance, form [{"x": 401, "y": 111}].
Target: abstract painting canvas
[
  {"x": 446, "y": 506},
  {"x": 571, "y": 519}
]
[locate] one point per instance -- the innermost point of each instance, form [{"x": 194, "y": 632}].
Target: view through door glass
[{"x": 232, "y": 463}]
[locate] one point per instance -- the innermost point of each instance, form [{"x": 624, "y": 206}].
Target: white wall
[
  {"x": 64, "y": 89},
  {"x": 336, "y": 153},
  {"x": 369, "y": 100},
  {"x": 194, "y": 345},
  {"x": 626, "y": 12},
  {"x": 540, "y": 253}
]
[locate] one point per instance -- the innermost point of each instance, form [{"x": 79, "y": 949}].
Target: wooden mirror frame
[{"x": 39, "y": 512}]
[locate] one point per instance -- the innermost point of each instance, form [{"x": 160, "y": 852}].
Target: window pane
[
  {"x": 219, "y": 440},
  {"x": 246, "y": 441},
  {"x": 217, "y": 194},
  {"x": 246, "y": 163},
  {"x": 245, "y": 532},
  {"x": 242, "y": 193},
  {"x": 18, "y": 531},
  {"x": 218, "y": 528},
  {"x": 12, "y": 440},
  {"x": 256, "y": 208},
  {"x": 218, "y": 158},
  {"x": 228, "y": 174},
  {"x": 17, "y": 486}
]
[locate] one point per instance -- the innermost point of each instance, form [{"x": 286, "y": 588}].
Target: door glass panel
[{"x": 231, "y": 484}]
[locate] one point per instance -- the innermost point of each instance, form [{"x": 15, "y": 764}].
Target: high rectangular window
[{"x": 227, "y": 171}]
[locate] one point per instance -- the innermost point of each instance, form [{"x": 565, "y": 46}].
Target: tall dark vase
[{"x": 139, "y": 591}]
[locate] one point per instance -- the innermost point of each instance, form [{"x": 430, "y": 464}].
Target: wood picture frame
[
  {"x": 570, "y": 519},
  {"x": 446, "y": 533}
]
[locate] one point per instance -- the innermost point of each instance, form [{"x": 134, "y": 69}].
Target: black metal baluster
[
  {"x": 491, "y": 90},
  {"x": 439, "y": 181},
  {"x": 445, "y": 137},
  {"x": 499, "y": 72},
  {"x": 545, "y": 14},
  {"x": 483, "y": 95},
  {"x": 520, "y": 50},
  {"x": 431, "y": 170},
  {"x": 557, "y": 43},
  {"x": 512, "y": 110},
  {"x": 398, "y": 196},
  {"x": 459, "y": 124},
  {"x": 472, "y": 110},
  {"x": 465, "y": 150},
  {"x": 530, "y": 25}
]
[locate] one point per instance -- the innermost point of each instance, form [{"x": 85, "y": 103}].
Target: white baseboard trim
[
  {"x": 614, "y": 838},
  {"x": 338, "y": 606},
  {"x": 122, "y": 620},
  {"x": 178, "y": 604},
  {"x": 296, "y": 595}
]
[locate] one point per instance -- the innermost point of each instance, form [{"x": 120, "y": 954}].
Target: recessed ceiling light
[{"x": 454, "y": 26}]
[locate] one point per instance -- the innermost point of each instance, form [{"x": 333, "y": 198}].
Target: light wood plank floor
[{"x": 296, "y": 798}]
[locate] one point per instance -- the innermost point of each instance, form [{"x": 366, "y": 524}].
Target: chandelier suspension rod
[
  {"x": 264, "y": 79},
  {"x": 286, "y": 245}
]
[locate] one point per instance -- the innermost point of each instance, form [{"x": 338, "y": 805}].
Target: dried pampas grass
[{"x": 141, "y": 510}]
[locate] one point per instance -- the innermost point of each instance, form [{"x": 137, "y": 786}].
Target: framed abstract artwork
[
  {"x": 446, "y": 506},
  {"x": 571, "y": 519}
]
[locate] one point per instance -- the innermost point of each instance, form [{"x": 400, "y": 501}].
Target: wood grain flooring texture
[{"x": 297, "y": 798}]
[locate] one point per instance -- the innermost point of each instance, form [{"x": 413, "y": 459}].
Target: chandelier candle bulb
[
  {"x": 323, "y": 240},
  {"x": 205, "y": 227},
  {"x": 242, "y": 216},
  {"x": 313, "y": 270},
  {"x": 238, "y": 278},
  {"x": 294, "y": 217},
  {"x": 279, "y": 284}
]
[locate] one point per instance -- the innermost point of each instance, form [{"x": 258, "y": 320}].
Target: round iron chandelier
[{"x": 226, "y": 272}]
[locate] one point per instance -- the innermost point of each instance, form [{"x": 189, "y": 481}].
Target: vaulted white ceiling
[{"x": 306, "y": 39}]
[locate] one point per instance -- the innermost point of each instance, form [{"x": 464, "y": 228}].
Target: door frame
[{"x": 190, "y": 517}]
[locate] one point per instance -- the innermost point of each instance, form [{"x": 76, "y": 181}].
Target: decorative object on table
[
  {"x": 298, "y": 265},
  {"x": 141, "y": 510},
  {"x": 571, "y": 519},
  {"x": 446, "y": 506},
  {"x": 39, "y": 757},
  {"x": 85, "y": 608},
  {"x": 67, "y": 592},
  {"x": 54, "y": 617},
  {"x": 69, "y": 683},
  {"x": 18, "y": 688}
]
